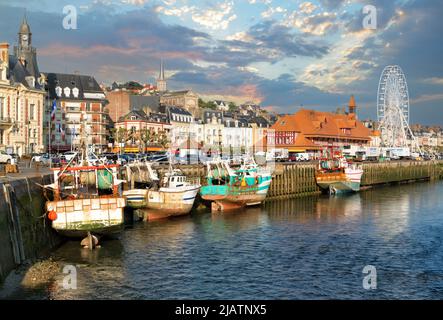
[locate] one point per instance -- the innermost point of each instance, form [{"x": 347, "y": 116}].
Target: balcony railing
[{"x": 5, "y": 120}]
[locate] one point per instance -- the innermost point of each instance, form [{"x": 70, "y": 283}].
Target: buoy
[{"x": 52, "y": 215}]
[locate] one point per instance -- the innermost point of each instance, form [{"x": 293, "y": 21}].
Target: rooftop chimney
[
  {"x": 4, "y": 61},
  {"x": 4, "y": 51}
]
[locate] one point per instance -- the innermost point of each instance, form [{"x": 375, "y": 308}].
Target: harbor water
[{"x": 305, "y": 248}]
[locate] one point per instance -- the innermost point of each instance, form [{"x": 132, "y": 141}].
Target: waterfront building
[
  {"x": 79, "y": 100},
  {"x": 135, "y": 125},
  {"x": 21, "y": 96},
  {"x": 180, "y": 120},
  {"x": 260, "y": 127},
  {"x": 121, "y": 102},
  {"x": 428, "y": 140},
  {"x": 186, "y": 99},
  {"x": 237, "y": 135},
  {"x": 214, "y": 129},
  {"x": 311, "y": 131}
]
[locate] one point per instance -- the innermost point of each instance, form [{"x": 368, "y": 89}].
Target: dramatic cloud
[{"x": 283, "y": 54}]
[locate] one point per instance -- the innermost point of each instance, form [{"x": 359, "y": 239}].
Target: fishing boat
[
  {"x": 229, "y": 189},
  {"x": 87, "y": 201},
  {"x": 336, "y": 175},
  {"x": 173, "y": 195},
  {"x": 141, "y": 177}
]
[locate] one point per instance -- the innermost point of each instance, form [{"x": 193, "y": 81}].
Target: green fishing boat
[{"x": 229, "y": 189}]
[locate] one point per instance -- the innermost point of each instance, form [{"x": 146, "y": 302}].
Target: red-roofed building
[{"x": 310, "y": 131}]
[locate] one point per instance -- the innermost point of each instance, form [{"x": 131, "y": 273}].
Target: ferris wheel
[{"x": 393, "y": 109}]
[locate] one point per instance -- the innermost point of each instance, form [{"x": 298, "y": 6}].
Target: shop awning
[{"x": 297, "y": 149}]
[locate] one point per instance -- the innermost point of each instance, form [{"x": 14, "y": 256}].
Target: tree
[
  {"x": 206, "y": 105},
  {"x": 146, "y": 136},
  {"x": 232, "y": 107},
  {"x": 112, "y": 135},
  {"x": 122, "y": 135},
  {"x": 201, "y": 103},
  {"x": 163, "y": 139}
]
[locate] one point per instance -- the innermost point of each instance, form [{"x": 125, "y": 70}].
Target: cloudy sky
[{"x": 282, "y": 54}]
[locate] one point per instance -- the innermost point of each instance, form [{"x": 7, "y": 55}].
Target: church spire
[
  {"x": 24, "y": 33},
  {"x": 162, "y": 71},
  {"x": 24, "y": 28},
  {"x": 161, "y": 81}
]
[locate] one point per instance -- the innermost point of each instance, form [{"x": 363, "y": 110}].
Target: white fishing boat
[
  {"x": 173, "y": 195},
  {"x": 336, "y": 175}
]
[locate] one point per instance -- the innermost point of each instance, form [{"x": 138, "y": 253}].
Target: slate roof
[
  {"x": 261, "y": 122},
  {"x": 208, "y": 114},
  {"x": 158, "y": 117},
  {"x": 176, "y": 93},
  {"x": 241, "y": 123},
  {"x": 178, "y": 110},
  {"x": 139, "y": 102},
  {"x": 140, "y": 115},
  {"x": 84, "y": 83},
  {"x": 18, "y": 73}
]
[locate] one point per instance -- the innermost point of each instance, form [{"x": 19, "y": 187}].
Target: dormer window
[
  {"x": 75, "y": 92},
  {"x": 133, "y": 118},
  {"x": 58, "y": 91},
  {"x": 31, "y": 81},
  {"x": 67, "y": 92}
]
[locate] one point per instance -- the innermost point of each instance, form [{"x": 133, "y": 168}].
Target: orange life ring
[{"x": 52, "y": 215}]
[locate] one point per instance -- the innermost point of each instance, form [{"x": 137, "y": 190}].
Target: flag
[
  {"x": 54, "y": 108},
  {"x": 61, "y": 131}
]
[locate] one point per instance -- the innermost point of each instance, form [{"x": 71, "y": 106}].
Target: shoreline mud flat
[{"x": 30, "y": 276}]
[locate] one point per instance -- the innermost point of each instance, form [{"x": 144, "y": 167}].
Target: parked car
[
  {"x": 109, "y": 157},
  {"x": 141, "y": 156},
  {"x": 121, "y": 160},
  {"x": 5, "y": 158},
  {"x": 69, "y": 155},
  {"x": 160, "y": 157},
  {"x": 36, "y": 157},
  {"x": 129, "y": 157},
  {"x": 51, "y": 159},
  {"x": 15, "y": 156},
  {"x": 302, "y": 157}
]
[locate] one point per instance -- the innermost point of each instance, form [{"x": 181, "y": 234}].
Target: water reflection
[
  {"x": 312, "y": 247},
  {"x": 308, "y": 209},
  {"x": 391, "y": 220},
  {"x": 239, "y": 220}
]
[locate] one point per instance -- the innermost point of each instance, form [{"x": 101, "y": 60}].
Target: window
[
  {"x": 75, "y": 92},
  {"x": 31, "y": 111},
  {"x": 67, "y": 92},
  {"x": 58, "y": 91},
  {"x": 1, "y": 108},
  {"x": 133, "y": 118},
  {"x": 17, "y": 118}
]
